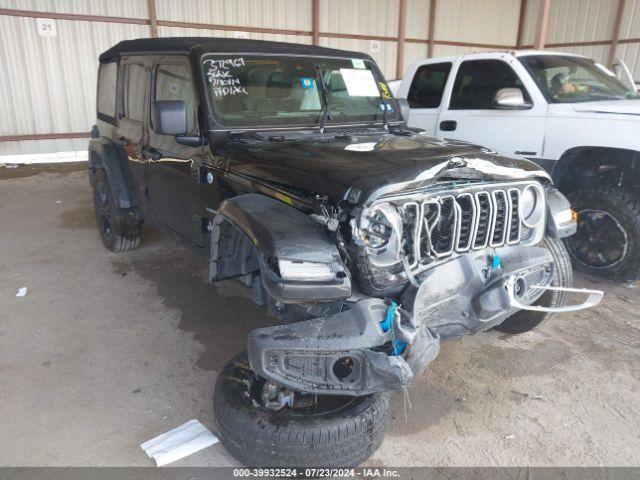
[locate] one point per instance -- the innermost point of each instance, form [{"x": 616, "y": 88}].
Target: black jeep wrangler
[{"x": 290, "y": 168}]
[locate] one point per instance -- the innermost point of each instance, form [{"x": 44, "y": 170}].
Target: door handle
[{"x": 448, "y": 125}]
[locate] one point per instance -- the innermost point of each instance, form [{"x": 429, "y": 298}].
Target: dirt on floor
[{"x": 109, "y": 350}]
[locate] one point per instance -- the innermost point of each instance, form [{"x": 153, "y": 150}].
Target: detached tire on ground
[
  {"x": 337, "y": 432},
  {"x": 119, "y": 228},
  {"x": 607, "y": 242},
  {"x": 524, "y": 320}
]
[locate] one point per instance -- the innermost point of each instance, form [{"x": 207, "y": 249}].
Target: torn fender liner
[{"x": 346, "y": 353}]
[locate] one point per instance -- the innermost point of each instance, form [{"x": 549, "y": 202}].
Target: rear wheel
[
  {"x": 119, "y": 228},
  {"x": 525, "y": 320},
  {"x": 608, "y": 238},
  {"x": 316, "y": 431}
]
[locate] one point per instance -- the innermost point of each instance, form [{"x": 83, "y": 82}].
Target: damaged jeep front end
[{"x": 407, "y": 269}]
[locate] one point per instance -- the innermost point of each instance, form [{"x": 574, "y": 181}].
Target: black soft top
[{"x": 186, "y": 45}]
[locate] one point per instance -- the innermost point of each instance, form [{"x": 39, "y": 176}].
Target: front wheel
[
  {"x": 607, "y": 242},
  {"x": 526, "y": 320},
  {"x": 330, "y": 431}
]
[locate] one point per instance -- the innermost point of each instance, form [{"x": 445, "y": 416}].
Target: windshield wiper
[{"x": 326, "y": 111}]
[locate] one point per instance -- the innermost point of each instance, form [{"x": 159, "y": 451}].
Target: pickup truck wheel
[
  {"x": 119, "y": 228},
  {"x": 333, "y": 431},
  {"x": 607, "y": 242},
  {"x": 525, "y": 320}
]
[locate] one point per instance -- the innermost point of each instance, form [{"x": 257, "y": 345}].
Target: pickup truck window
[
  {"x": 566, "y": 79},
  {"x": 478, "y": 81},
  {"x": 428, "y": 85},
  {"x": 274, "y": 90},
  {"x": 173, "y": 82},
  {"x": 107, "y": 80}
]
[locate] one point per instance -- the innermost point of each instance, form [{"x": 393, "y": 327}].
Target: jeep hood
[
  {"x": 308, "y": 164},
  {"x": 620, "y": 107}
]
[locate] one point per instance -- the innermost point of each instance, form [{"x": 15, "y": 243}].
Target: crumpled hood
[
  {"x": 620, "y": 107},
  {"x": 373, "y": 163}
]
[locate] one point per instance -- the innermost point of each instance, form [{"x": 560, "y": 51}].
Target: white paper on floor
[
  {"x": 178, "y": 443},
  {"x": 22, "y": 291}
]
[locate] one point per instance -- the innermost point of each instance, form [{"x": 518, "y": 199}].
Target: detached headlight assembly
[{"x": 532, "y": 206}]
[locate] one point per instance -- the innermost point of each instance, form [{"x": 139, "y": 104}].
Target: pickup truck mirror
[
  {"x": 510, "y": 99},
  {"x": 170, "y": 117},
  {"x": 404, "y": 108}
]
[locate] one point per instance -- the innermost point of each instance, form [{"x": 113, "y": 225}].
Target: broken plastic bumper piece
[{"x": 354, "y": 352}]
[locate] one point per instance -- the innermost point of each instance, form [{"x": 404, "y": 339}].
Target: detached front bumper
[{"x": 373, "y": 347}]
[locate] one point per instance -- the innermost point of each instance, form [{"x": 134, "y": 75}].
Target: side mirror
[
  {"x": 404, "y": 108},
  {"x": 170, "y": 117},
  {"x": 510, "y": 99}
]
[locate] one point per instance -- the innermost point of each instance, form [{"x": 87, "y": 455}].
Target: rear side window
[
  {"x": 135, "y": 83},
  {"x": 478, "y": 81},
  {"x": 107, "y": 81},
  {"x": 173, "y": 82},
  {"x": 428, "y": 85}
]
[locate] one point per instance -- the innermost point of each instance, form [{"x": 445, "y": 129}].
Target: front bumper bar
[{"x": 354, "y": 352}]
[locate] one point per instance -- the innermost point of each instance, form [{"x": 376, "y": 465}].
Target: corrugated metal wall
[{"x": 48, "y": 83}]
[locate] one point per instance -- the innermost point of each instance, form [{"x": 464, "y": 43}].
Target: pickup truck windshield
[
  {"x": 565, "y": 79},
  {"x": 272, "y": 90}
]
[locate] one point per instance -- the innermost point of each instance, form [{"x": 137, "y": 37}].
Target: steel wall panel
[
  {"x": 281, "y": 14},
  {"x": 630, "y": 26},
  {"x": 48, "y": 84},
  {"x": 490, "y": 21},
  {"x": 199, "y": 32},
  {"x": 599, "y": 53},
  {"x": 113, "y": 8},
  {"x": 418, "y": 18},
  {"x": 362, "y": 17},
  {"x": 573, "y": 20},
  {"x": 385, "y": 58},
  {"x": 630, "y": 53}
]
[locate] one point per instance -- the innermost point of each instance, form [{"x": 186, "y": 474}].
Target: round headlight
[
  {"x": 383, "y": 234},
  {"x": 531, "y": 206}
]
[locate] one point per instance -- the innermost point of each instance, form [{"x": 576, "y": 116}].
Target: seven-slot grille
[{"x": 457, "y": 222}]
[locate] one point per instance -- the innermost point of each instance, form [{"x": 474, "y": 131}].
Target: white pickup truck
[{"x": 568, "y": 113}]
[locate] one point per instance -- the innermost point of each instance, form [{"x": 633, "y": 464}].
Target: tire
[
  {"x": 119, "y": 228},
  {"x": 525, "y": 320},
  {"x": 597, "y": 249},
  {"x": 343, "y": 436}
]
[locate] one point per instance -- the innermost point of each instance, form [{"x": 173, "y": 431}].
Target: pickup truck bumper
[{"x": 375, "y": 346}]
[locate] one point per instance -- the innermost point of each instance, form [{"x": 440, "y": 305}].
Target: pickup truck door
[
  {"x": 424, "y": 94},
  {"x": 470, "y": 114},
  {"x": 174, "y": 171}
]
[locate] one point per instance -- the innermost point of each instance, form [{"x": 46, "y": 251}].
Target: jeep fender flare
[
  {"x": 104, "y": 154},
  {"x": 252, "y": 231}
]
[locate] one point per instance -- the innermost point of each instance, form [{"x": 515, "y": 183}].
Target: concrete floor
[{"x": 107, "y": 351}]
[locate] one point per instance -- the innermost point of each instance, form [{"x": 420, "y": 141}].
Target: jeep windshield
[
  {"x": 277, "y": 91},
  {"x": 568, "y": 79}
]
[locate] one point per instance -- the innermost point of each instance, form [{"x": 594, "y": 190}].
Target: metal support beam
[
  {"x": 521, "y": 20},
  {"x": 153, "y": 20},
  {"x": 433, "y": 4},
  {"x": 315, "y": 22},
  {"x": 543, "y": 23},
  {"x": 402, "y": 22},
  {"x": 615, "y": 38}
]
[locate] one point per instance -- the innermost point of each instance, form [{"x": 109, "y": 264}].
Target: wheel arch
[
  {"x": 104, "y": 154},
  {"x": 581, "y": 166}
]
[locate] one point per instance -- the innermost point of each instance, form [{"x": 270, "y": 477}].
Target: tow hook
[{"x": 515, "y": 285}]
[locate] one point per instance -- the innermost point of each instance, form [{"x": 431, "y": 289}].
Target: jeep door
[
  {"x": 174, "y": 170},
  {"x": 470, "y": 113},
  {"x": 132, "y": 110}
]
